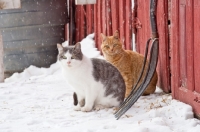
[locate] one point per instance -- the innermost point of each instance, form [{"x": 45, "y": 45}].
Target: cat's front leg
[
  {"x": 129, "y": 85},
  {"x": 79, "y": 101},
  {"x": 87, "y": 108},
  {"x": 89, "y": 102},
  {"x": 77, "y": 107}
]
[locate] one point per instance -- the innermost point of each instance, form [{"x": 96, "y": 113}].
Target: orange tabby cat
[{"x": 128, "y": 62}]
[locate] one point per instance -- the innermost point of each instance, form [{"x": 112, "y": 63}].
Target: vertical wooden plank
[
  {"x": 104, "y": 17},
  {"x": 139, "y": 35},
  {"x": 67, "y": 31},
  {"x": 144, "y": 33},
  {"x": 108, "y": 19},
  {"x": 128, "y": 34},
  {"x": 189, "y": 44},
  {"x": 175, "y": 41},
  {"x": 1, "y": 60},
  {"x": 67, "y": 25},
  {"x": 115, "y": 15},
  {"x": 197, "y": 44},
  {"x": 72, "y": 29},
  {"x": 121, "y": 20},
  {"x": 143, "y": 16},
  {"x": 95, "y": 24},
  {"x": 163, "y": 67},
  {"x": 99, "y": 24},
  {"x": 185, "y": 93},
  {"x": 182, "y": 47},
  {"x": 82, "y": 23},
  {"x": 89, "y": 20},
  {"x": 134, "y": 15},
  {"x": 145, "y": 25},
  {"x": 78, "y": 19}
]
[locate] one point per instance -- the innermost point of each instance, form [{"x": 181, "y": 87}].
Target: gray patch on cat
[
  {"x": 110, "y": 77},
  {"x": 75, "y": 51}
]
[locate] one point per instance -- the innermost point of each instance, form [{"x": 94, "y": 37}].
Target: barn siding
[
  {"x": 30, "y": 34},
  {"x": 143, "y": 33},
  {"x": 106, "y": 16},
  {"x": 185, "y": 52}
]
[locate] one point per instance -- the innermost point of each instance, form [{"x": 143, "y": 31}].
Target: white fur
[{"x": 79, "y": 75}]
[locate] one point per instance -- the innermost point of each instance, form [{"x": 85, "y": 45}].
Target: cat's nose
[{"x": 68, "y": 62}]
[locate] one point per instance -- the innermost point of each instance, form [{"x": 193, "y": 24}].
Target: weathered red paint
[
  {"x": 197, "y": 44},
  {"x": 189, "y": 47},
  {"x": 115, "y": 15},
  {"x": 103, "y": 22},
  {"x": 185, "y": 54},
  {"x": 72, "y": 26},
  {"x": 89, "y": 18},
  {"x": 122, "y": 20},
  {"x": 108, "y": 16},
  {"x": 128, "y": 26},
  {"x": 67, "y": 31},
  {"x": 95, "y": 24},
  {"x": 82, "y": 23},
  {"x": 77, "y": 21},
  {"x": 163, "y": 63},
  {"x": 67, "y": 25},
  {"x": 99, "y": 24},
  {"x": 144, "y": 33}
]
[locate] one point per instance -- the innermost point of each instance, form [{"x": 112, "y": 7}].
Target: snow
[{"x": 39, "y": 100}]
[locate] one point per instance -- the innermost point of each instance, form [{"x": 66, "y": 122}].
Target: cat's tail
[{"x": 91, "y": 36}]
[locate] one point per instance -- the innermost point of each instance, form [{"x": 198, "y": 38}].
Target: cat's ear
[
  {"x": 77, "y": 46},
  {"x": 60, "y": 48},
  {"x": 103, "y": 37},
  {"x": 116, "y": 34}
]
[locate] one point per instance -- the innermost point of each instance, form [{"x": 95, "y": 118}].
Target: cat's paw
[
  {"x": 86, "y": 109},
  {"x": 82, "y": 102},
  {"x": 99, "y": 107},
  {"x": 77, "y": 108}
]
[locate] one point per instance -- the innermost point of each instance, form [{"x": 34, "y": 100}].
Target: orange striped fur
[{"x": 128, "y": 62}]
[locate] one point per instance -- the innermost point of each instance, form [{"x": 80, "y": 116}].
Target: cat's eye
[
  {"x": 72, "y": 57},
  {"x": 64, "y": 57},
  {"x": 106, "y": 46},
  {"x": 115, "y": 45}
]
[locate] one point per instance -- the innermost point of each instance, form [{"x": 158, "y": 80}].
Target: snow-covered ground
[{"x": 39, "y": 100}]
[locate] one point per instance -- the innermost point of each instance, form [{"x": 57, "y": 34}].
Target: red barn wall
[
  {"x": 106, "y": 16},
  {"x": 143, "y": 33}
]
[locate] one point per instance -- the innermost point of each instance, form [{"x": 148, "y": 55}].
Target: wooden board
[
  {"x": 144, "y": 33},
  {"x": 30, "y": 34},
  {"x": 185, "y": 54},
  {"x": 108, "y": 16}
]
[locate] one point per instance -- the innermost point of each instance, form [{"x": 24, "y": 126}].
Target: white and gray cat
[{"x": 97, "y": 84}]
